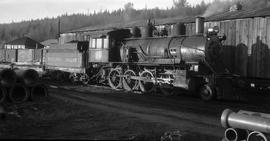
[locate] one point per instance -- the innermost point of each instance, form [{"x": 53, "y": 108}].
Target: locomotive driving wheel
[
  {"x": 129, "y": 83},
  {"x": 147, "y": 82},
  {"x": 114, "y": 78}
]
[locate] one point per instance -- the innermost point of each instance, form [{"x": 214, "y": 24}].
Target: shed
[{"x": 23, "y": 51}]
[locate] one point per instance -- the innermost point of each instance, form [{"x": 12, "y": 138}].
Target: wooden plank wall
[{"x": 246, "y": 51}]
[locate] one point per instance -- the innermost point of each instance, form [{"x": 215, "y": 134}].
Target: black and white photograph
[{"x": 161, "y": 70}]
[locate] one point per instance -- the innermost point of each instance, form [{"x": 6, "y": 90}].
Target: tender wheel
[
  {"x": 147, "y": 84},
  {"x": 114, "y": 78},
  {"x": 84, "y": 79},
  {"x": 206, "y": 93},
  {"x": 130, "y": 84}
]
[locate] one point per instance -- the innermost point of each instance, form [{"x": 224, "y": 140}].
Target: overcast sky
[{"x": 18, "y": 10}]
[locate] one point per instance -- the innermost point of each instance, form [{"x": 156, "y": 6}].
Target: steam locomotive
[{"x": 126, "y": 60}]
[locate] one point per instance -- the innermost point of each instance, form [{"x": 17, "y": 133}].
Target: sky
[{"x": 18, "y": 10}]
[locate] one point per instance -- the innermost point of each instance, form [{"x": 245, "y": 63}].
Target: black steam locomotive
[{"x": 146, "y": 63}]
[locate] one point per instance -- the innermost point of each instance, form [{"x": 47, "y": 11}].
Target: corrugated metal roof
[
  {"x": 28, "y": 42},
  {"x": 249, "y": 13}
]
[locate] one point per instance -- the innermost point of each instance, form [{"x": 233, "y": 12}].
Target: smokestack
[
  {"x": 199, "y": 25},
  {"x": 180, "y": 29}
]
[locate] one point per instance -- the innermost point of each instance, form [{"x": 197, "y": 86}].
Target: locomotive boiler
[{"x": 168, "y": 62}]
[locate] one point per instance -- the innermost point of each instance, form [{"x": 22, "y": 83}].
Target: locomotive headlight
[
  {"x": 215, "y": 29},
  {"x": 210, "y": 30}
]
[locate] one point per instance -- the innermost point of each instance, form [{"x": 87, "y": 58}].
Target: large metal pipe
[
  {"x": 233, "y": 134},
  {"x": 254, "y": 113},
  {"x": 199, "y": 22},
  {"x": 29, "y": 77},
  {"x": 8, "y": 77},
  {"x": 38, "y": 91},
  {"x": 256, "y": 136},
  {"x": 244, "y": 121},
  {"x": 18, "y": 93}
]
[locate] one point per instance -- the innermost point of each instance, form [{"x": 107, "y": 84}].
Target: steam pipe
[
  {"x": 244, "y": 121},
  {"x": 256, "y": 136}
]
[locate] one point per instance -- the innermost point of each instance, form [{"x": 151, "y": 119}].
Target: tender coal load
[{"x": 8, "y": 77}]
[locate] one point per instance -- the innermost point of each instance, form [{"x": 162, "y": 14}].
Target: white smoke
[{"x": 219, "y": 6}]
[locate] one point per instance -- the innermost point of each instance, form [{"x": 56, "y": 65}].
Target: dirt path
[{"x": 185, "y": 121}]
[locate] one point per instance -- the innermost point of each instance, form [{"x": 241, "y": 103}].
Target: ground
[
  {"x": 97, "y": 113},
  {"x": 52, "y": 118}
]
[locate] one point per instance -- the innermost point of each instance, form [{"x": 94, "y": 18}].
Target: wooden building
[
  {"x": 246, "y": 51},
  {"x": 23, "y": 51}
]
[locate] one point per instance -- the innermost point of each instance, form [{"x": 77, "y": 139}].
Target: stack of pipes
[
  {"x": 19, "y": 85},
  {"x": 245, "y": 125}
]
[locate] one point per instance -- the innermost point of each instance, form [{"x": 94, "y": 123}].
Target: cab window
[{"x": 99, "y": 43}]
